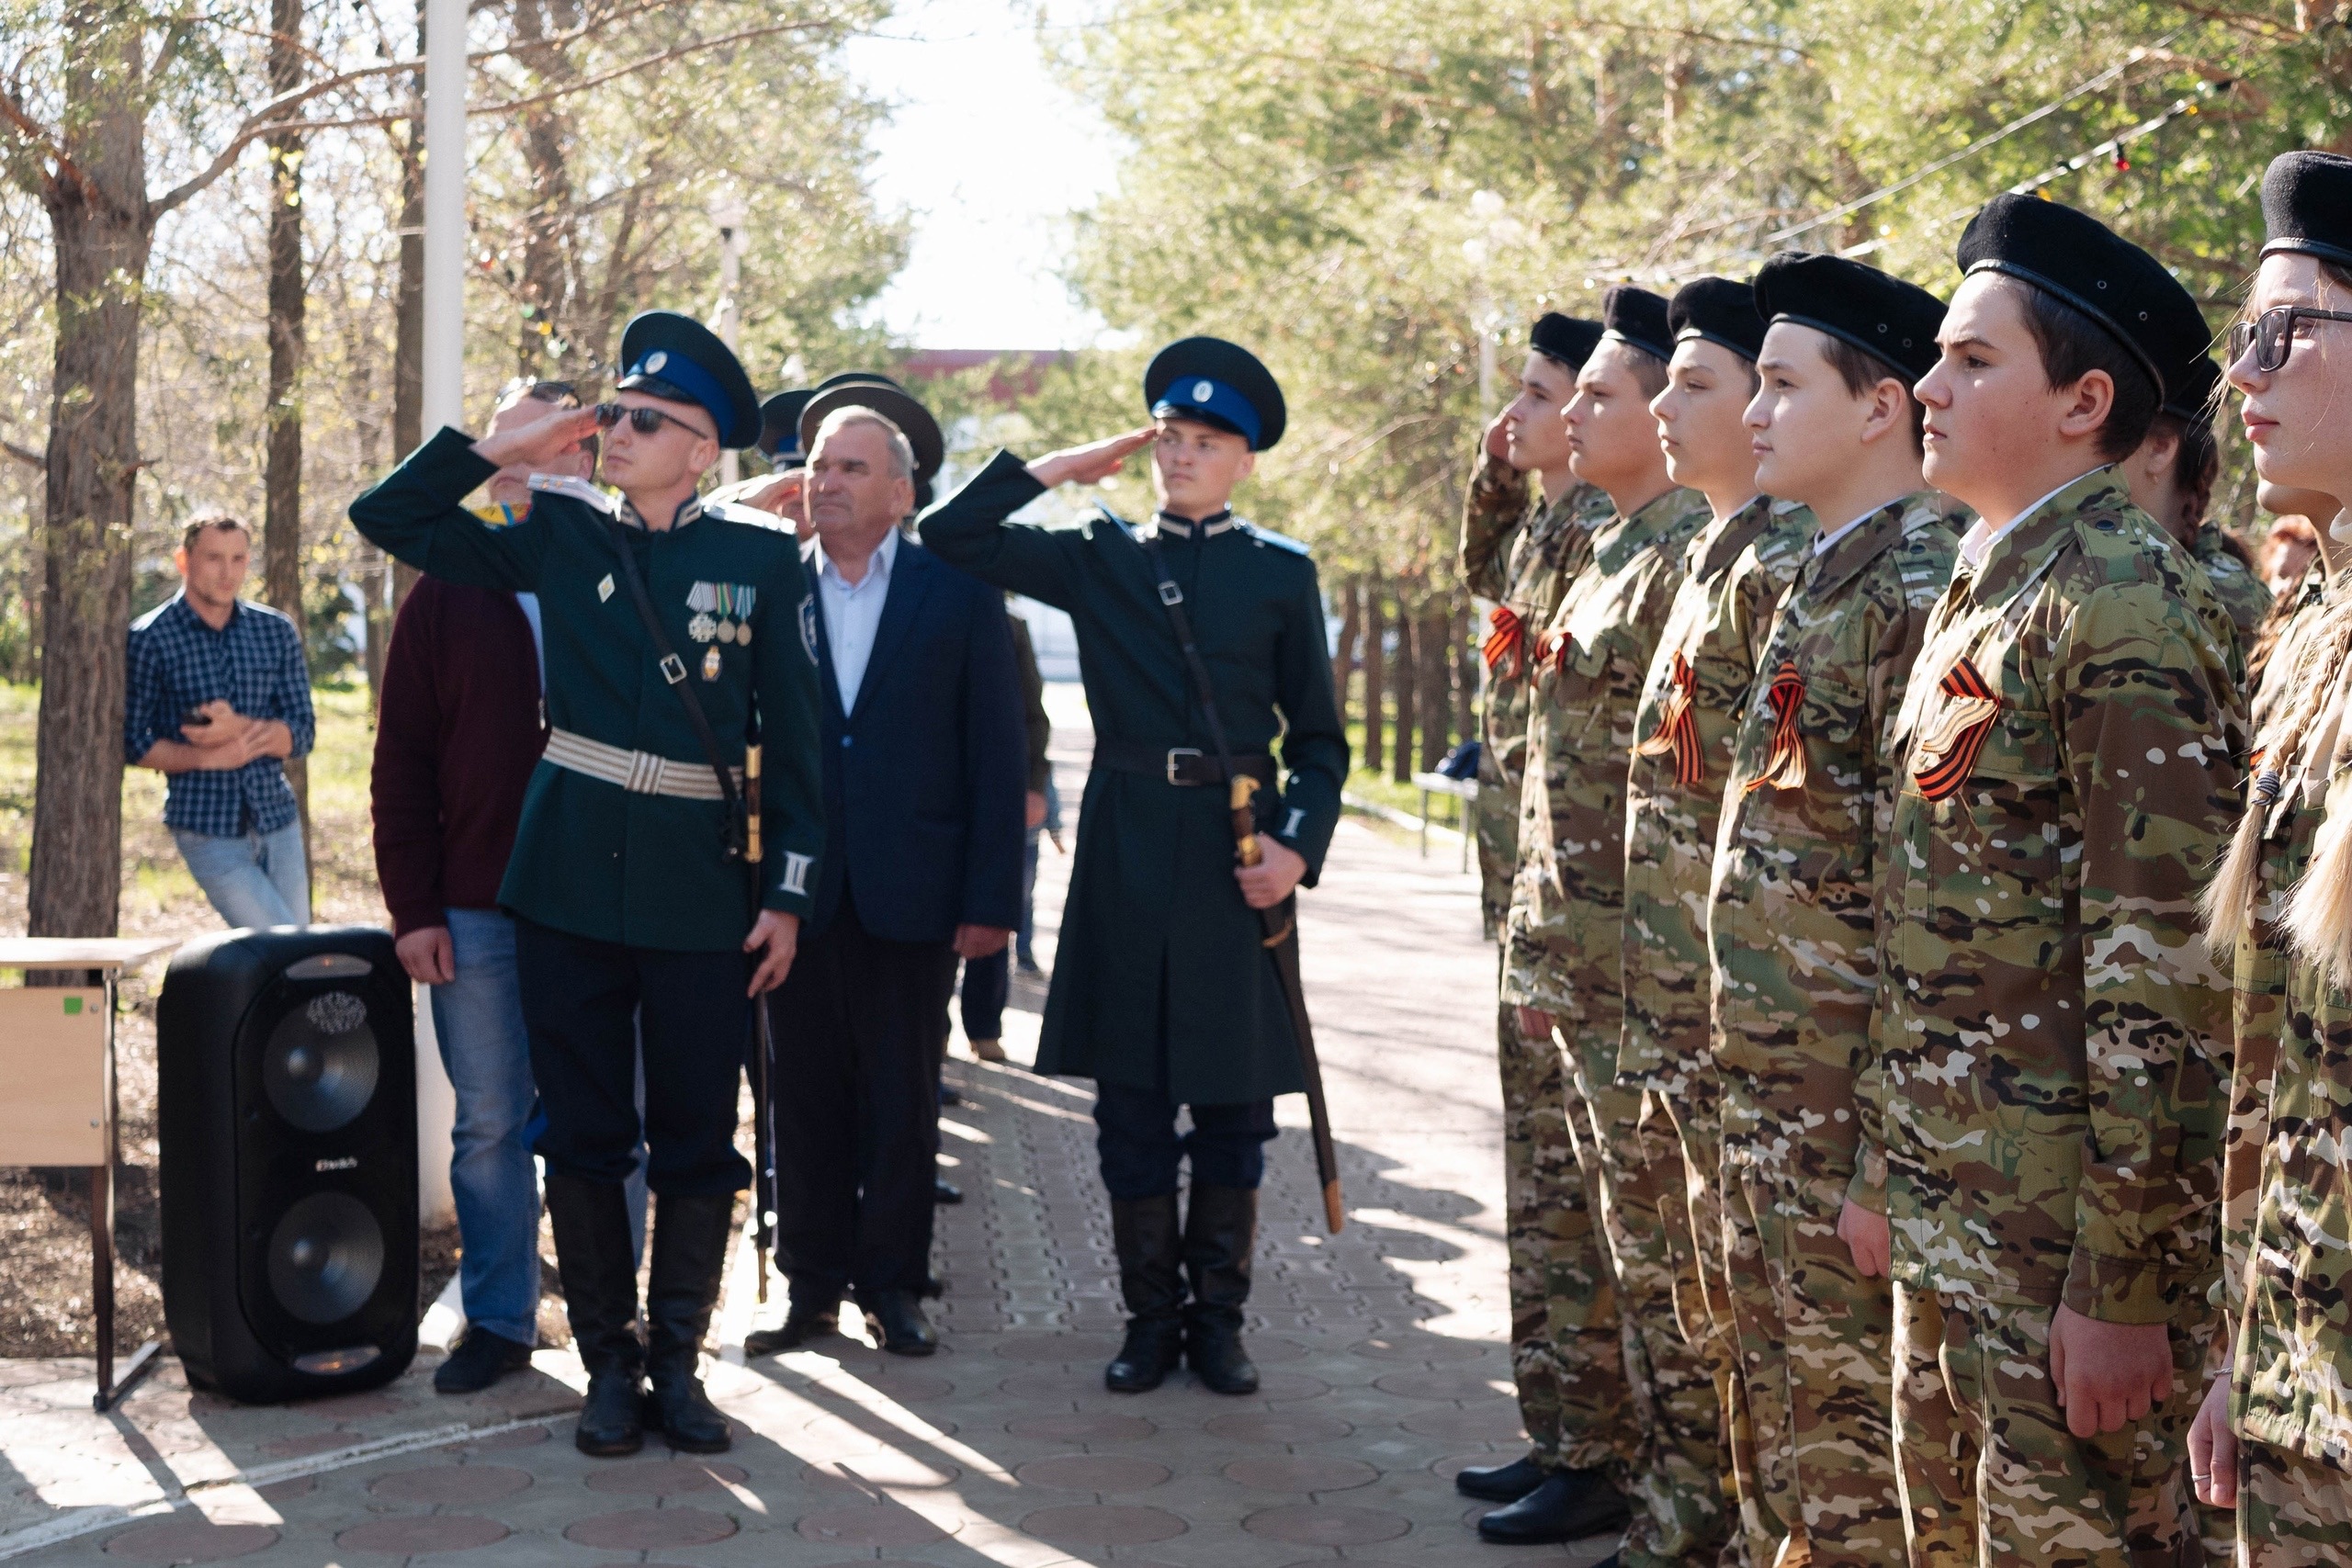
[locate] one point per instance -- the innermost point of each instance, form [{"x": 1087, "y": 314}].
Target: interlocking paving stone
[
  {"x": 666, "y": 1477},
  {"x": 1290, "y": 1427},
  {"x": 451, "y": 1485},
  {"x": 1093, "y": 1472},
  {"x": 190, "y": 1540},
  {"x": 882, "y": 1525},
  {"x": 1301, "y": 1473},
  {"x": 642, "y": 1530},
  {"x": 1102, "y": 1427},
  {"x": 1102, "y": 1524},
  {"x": 407, "y": 1537},
  {"x": 1322, "y": 1524}
]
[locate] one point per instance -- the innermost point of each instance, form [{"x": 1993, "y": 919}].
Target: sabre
[
  {"x": 1281, "y": 942},
  {"x": 763, "y": 1053}
]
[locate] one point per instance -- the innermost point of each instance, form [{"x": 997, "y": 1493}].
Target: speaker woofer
[
  {"x": 325, "y": 1257},
  {"x": 318, "y": 1067}
]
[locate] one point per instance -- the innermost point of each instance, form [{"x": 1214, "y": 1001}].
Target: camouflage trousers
[
  {"x": 1989, "y": 1473},
  {"x": 1566, "y": 1352},
  {"x": 1704, "y": 1309},
  {"x": 1815, "y": 1345},
  {"x": 1626, "y": 1137},
  {"x": 2291, "y": 1509},
  {"x": 1494, "y": 819}
]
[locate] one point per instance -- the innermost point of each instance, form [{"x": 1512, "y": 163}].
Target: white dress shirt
[
  {"x": 854, "y": 614},
  {"x": 1980, "y": 538}
]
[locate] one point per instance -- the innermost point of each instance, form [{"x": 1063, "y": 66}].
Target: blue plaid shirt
[{"x": 255, "y": 662}]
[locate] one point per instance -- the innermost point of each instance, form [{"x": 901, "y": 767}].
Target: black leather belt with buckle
[{"x": 1186, "y": 766}]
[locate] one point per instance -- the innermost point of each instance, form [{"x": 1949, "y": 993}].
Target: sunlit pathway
[{"x": 1382, "y": 1352}]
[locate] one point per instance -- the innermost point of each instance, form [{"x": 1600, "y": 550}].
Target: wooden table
[{"x": 57, "y": 1057}]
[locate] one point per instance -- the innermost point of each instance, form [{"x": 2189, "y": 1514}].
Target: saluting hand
[
  {"x": 776, "y": 936},
  {"x": 1092, "y": 462},
  {"x": 541, "y": 441},
  {"x": 1498, "y": 440}
]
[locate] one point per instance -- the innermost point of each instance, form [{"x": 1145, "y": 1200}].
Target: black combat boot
[
  {"x": 1220, "y": 1230},
  {"x": 1143, "y": 1232},
  {"x": 690, "y": 1241},
  {"x": 598, "y": 1268}
]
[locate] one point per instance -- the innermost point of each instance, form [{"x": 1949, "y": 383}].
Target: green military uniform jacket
[
  {"x": 2071, "y": 740},
  {"x": 1561, "y": 950},
  {"x": 1734, "y": 573},
  {"x": 1793, "y": 914},
  {"x": 1519, "y": 551},
  {"x": 1160, "y": 981},
  {"x": 2238, "y": 586},
  {"x": 591, "y": 857}
]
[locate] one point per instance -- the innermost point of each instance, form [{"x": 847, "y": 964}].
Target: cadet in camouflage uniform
[
  {"x": 1734, "y": 572},
  {"x": 1794, "y": 910},
  {"x": 1516, "y": 551},
  {"x": 1562, "y": 957},
  {"x": 2069, "y": 739},
  {"x": 2285, "y": 1468}
]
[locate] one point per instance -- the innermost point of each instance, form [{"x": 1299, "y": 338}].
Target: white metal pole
[
  {"x": 730, "y": 275},
  {"x": 444, "y": 358}
]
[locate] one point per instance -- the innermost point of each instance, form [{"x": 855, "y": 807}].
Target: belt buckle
[{"x": 1174, "y": 752}]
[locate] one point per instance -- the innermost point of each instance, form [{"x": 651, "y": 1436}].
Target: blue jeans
[
  {"x": 478, "y": 1019},
  {"x": 253, "y": 878}
]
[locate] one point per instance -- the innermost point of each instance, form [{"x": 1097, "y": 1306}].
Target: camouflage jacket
[
  {"x": 2069, "y": 741},
  {"x": 1793, "y": 914},
  {"x": 1569, "y": 897},
  {"x": 1732, "y": 575},
  {"x": 2238, "y": 586}
]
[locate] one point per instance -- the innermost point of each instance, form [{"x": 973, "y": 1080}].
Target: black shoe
[
  {"x": 1569, "y": 1506},
  {"x": 1144, "y": 1234},
  {"x": 945, "y": 1191},
  {"x": 808, "y": 1314},
  {"x": 598, "y": 1268},
  {"x": 1501, "y": 1482},
  {"x": 1220, "y": 1231},
  {"x": 895, "y": 1317},
  {"x": 481, "y": 1359},
  {"x": 691, "y": 1235},
  {"x": 933, "y": 1288}
]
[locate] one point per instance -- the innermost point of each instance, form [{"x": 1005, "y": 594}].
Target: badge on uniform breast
[
  {"x": 710, "y": 665},
  {"x": 1946, "y": 751},
  {"x": 701, "y": 598}
]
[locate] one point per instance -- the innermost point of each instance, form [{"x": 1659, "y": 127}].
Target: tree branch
[
  {"x": 37, "y": 136},
  {"x": 24, "y": 454}
]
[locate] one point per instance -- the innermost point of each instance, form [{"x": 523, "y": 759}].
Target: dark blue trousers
[
  {"x": 988, "y": 982},
  {"x": 1137, "y": 1139},
  {"x": 581, "y": 1007}
]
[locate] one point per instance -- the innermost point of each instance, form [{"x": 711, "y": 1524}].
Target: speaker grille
[
  {"x": 325, "y": 1257},
  {"x": 320, "y": 1065}
]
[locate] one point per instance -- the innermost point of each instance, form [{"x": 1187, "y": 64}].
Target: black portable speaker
[{"x": 286, "y": 1079}]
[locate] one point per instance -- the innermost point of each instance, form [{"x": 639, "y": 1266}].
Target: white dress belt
[{"x": 639, "y": 773}]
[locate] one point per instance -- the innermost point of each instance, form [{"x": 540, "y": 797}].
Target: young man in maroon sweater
[{"x": 459, "y": 729}]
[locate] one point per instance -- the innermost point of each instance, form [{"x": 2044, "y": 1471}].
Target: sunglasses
[
  {"x": 2271, "y": 335},
  {"x": 644, "y": 421}
]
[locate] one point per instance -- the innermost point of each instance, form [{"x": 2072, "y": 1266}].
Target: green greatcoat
[
  {"x": 1161, "y": 982},
  {"x": 592, "y": 858}
]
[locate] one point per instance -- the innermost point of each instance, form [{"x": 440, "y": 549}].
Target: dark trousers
[
  {"x": 857, "y": 1110},
  {"x": 582, "y": 1003},
  {"x": 1141, "y": 1149},
  {"x": 988, "y": 982}
]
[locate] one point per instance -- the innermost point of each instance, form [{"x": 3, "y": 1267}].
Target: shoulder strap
[
  {"x": 1174, "y": 598},
  {"x": 673, "y": 672}
]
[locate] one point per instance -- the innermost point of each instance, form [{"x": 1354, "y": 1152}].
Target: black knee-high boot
[
  {"x": 1220, "y": 1230},
  {"x": 599, "y": 1272},
  {"x": 690, "y": 1241},
  {"x": 1144, "y": 1232}
]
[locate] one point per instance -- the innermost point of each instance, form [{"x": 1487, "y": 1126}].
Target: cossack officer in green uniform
[
  {"x": 1162, "y": 993},
  {"x": 634, "y": 885}
]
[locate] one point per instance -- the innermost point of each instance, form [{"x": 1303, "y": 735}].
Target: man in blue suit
[{"x": 922, "y": 740}]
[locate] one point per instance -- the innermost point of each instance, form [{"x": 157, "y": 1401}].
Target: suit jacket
[{"x": 924, "y": 773}]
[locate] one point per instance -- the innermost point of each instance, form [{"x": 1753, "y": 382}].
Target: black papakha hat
[
  {"x": 1218, "y": 383},
  {"x": 2080, "y": 260},
  {"x": 1876, "y": 311},
  {"x": 1719, "y": 310},
  {"x": 1563, "y": 339},
  {"x": 872, "y": 390},
  {"x": 780, "y": 427},
  {"x": 1637, "y": 316},
  {"x": 2307, "y": 206},
  {"x": 676, "y": 358}
]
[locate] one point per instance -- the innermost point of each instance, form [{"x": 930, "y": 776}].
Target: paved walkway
[{"x": 1382, "y": 1350}]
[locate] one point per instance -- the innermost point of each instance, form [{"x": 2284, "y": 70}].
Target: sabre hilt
[{"x": 1244, "y": 801}]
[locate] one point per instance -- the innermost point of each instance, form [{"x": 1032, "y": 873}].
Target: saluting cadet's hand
[
  {"x": 2108, "y": 1374},
  {"x": 777, "y": 494},
  {"x": 1865, "y": 1235},
  {"x": 1091, "y": 464},
  {"x": 2213, "y": 1450},
  {"x": 776, "y": 936},
  {"x": 1269, "y": 881},
  {"x": 1497, "y": 439},
  {"x": 541, "y": 441}
]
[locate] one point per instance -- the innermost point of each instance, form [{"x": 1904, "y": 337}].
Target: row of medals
[{"x": 704, "y": 629}]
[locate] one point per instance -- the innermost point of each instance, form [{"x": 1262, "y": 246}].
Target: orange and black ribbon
[
  {"x": 1677, "y": 726},
  {"x": 1946, "y": 751},
  {"x": 1784, "y": 763},
  {"x": 1507, "y": 639}
]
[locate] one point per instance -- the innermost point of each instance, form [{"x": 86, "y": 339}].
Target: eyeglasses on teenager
[{"x": 2271, "y": 335}]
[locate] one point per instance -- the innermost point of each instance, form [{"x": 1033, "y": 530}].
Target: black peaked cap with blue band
[
  {"x": 1876, "y": 311},
  {"x": 2075, "y": 257},
  {"x": 1720, "y": 311},
  {"x": 872, "y": 390},
  {"x": 780, "y": 427},
  {"x": 676, "y": 358},
  {"x": 1217, "y": 383},
  {"x": 1568, "y": 341},
  {"x": 2307, "y": 206},
  {"x": 1638, "y": 317}
]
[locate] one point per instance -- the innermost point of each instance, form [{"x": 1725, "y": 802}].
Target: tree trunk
[
  {"x": 102, "y": 227},
  {"x": 1375, "y": 677},
  {"x": 408, "y": 298},
  {"x": 544, "y": 339},
  {"x": 1437, "y": 685},
  {"x": 1406, "y": 681},
  {"x": 1464, "y": 661},
  {"x": 282, "y": 474},
  {"x": 1343, "y": 657}
]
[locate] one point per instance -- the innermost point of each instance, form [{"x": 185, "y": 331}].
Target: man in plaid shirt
[{"x": 218, "y": 696}]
